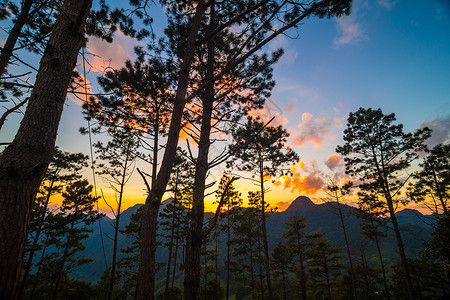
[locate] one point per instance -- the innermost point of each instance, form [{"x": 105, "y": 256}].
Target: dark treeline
[{"x": 202, "y": 77}]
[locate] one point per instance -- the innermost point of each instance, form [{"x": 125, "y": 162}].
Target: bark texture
[{"x": 24, "y": 162}]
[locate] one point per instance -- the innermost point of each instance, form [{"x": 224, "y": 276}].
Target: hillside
[{"x": 319, "y": 218}]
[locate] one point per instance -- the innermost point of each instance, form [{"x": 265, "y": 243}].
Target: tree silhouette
[
  {"x": 261, "y": 149},
  {"x": 433, "y": 180},
  {"x": 324, "y": 266},
  {"x": 63, "y": 169},
  {"x": 376, "y": 151}
]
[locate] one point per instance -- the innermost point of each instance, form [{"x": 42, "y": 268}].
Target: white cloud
[
  {"x": 350, "y": 32},
  {"x": 441, "y": 130},
  {"x": 110, "y": 55},
  {"x": 388, "y": 4},
  {"x": 350, "y": 29}
]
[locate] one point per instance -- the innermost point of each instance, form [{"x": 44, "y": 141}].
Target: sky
[{"x": 393, "y": 55}]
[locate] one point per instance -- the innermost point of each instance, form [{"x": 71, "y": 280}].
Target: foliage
[
  {"x": 429, "y": 279},
  {"x": 433, "y": 180}
]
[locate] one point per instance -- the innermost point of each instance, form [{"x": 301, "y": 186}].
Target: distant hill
[{"x": 324, "y": 217}]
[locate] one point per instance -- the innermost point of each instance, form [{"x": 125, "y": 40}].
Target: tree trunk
[
  {"x": 349, "y": 254},
  {"x": 386, "y": 289},
  {"x": 24, "y": 162},
  {"x": 228, "y": 251},
  {"x": 387, "y": 195},
  {"x": 116, "y": 228},
  {"x": 264, "y": 230},
  {"x": 301, "y": 267},
  {"x": 401, "y": 249},
  {"x": 195, "y": 234},
  {"x": 145, "y": 288},
  {"x": 14, "y": 35},
  {"x": 438, "y": 191},
  {"x": 169, "y": 260}
]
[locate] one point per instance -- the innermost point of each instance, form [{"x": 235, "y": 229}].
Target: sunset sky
[{"x": 393, "y": 55}]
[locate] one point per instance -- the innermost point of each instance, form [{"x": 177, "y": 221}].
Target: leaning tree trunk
[
  {"x": 13, "y": 36},
  {"x": 146, "y": 274},
  {"x": 24, "y": 162},
  {"x": 195, "y": 233},
  {"x": 386, "y": 289}
]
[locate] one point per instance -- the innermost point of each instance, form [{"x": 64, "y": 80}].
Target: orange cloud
[
  {"x": 334, "y": 161},
  {"x": 113, "y": 55},
  {"x": 309, "y": 184},
  {"x": 311, "y": 130},
  {"x": 269, "y": 111}
]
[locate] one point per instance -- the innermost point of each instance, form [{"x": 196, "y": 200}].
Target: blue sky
[{"x": 393, "y": 55}]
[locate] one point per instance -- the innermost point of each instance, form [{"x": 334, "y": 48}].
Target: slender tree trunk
[
  {"x": 175, "y": 258},
  {"x": 14, "y": 35},
  {"x": 347, "y": 246},
  {"x": 301, "y": 267},
  {"x": 195, "y": 234},
  {"x": 264, "y": 229},
  {"x": 401, "y": 248},
  {"x": 25, "y": 160},
  {"x": 206, "y": 270},
  {"x": 216, "y": 274},
  {"x": 252, "y": 272},
  {"x": 261, "y": 277},
  {"x": 228, "y": 251},
  {"x": 386, "y": 289},
  {"x": 116, "y": 228},
  {"x": 366, "y": 276},
  {"x": 145, "y": 288},
  {"x": 169, "y": 260},
  {"x": 438, "y": 191},
  {"x": 380, "y": 166}
]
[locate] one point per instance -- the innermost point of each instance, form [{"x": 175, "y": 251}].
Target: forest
[{"x": 201, "y": 78}]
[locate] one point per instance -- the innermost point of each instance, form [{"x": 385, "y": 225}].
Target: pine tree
[
  {"x": 247, "y": 250},
  {"x": 232, "y": 198},
  {"x": 261, "y": 149},
  {"x": 325, "y": 267},
  {"x": 118, "y": 157},
  {"x": 281, "y": 262},
  {"x": 299, "y": 240},
  {"x": 336, "y": 192},
  {"x": 377, "y": 152},
  {"x": 371, "y": 211},
  {"x": 63, "y": 169},
  {"x": 433, "y": 180}
]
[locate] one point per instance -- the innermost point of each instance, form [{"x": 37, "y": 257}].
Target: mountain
[
  {"x": 302, "y": 203},
  {"x": 319, "y": 218}
]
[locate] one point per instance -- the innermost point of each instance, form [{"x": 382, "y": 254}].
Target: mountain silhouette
[
  {"x": 302, "y": 203},
  {"x": 319, "y": 218}
]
